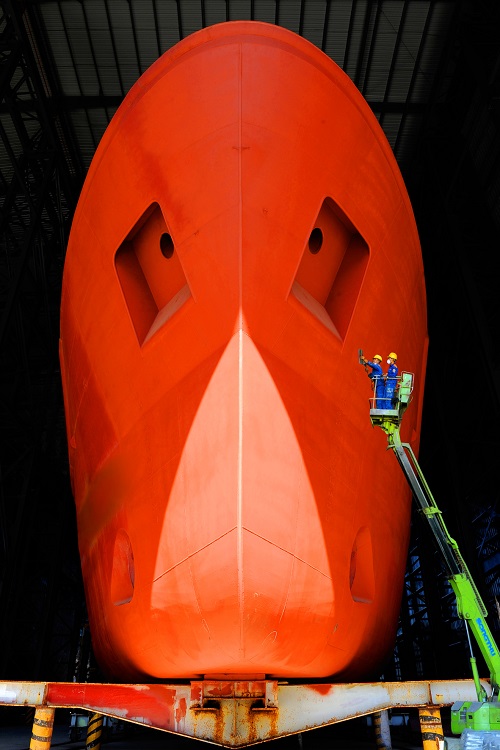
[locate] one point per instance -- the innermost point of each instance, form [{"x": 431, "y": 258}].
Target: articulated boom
[{"x": 485, "y": 713}]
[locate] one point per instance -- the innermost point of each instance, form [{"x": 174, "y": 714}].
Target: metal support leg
[
  {"x": 94, "y": 732},
  {"x": 431, "y": 728},
  {"x": 43, "y": 725},
  {"x": 382, "y": 730}
]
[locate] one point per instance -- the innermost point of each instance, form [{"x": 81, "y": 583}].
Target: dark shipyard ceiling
[
  {"x": 90, "y": 52},
  {"x": 430, "y": 71}
]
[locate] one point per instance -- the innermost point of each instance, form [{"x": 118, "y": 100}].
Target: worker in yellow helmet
[
  {"x": 391, "y": 381},
  {"x": 376, "y": 376}
]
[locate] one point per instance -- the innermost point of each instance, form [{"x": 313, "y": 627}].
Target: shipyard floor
[{"x": 346, "y": 736}]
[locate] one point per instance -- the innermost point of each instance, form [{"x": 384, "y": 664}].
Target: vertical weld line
[
  {"x": 240, "y": 483},
  {"x": 240, "y": 366},
  {"x": 240, "y": 189}
]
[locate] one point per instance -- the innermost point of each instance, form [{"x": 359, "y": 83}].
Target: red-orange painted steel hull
[{"x": 243, "y": 230}]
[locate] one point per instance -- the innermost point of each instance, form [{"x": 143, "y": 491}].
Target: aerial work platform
[{"x": 477, "y": 721}]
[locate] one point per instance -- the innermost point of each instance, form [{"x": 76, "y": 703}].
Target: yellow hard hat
[
  {"x": 393, "y": 355},
  {"x": 377, "y": 356}
]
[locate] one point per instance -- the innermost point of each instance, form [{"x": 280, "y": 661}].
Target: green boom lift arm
[{"x": 484, "y": 714}]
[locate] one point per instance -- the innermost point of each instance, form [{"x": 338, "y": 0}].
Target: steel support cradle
[{"x": 237, "y": 713}]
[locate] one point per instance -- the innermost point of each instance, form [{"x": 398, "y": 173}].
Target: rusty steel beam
[{"x": 237, "y": 713}]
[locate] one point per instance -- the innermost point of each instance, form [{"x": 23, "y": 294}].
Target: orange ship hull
[{"x": 242, "y": 231}]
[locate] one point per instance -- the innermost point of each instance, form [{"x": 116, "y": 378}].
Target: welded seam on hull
[
  {"x": 248, "y": 531},
  {"x": 193, "y": 554},
  {"x": 241, "y": 597},
  {"x": 240, "y": 485},
  {"x": 292, "y": 554}
]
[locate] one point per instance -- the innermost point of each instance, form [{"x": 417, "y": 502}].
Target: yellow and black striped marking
[
  {"x": 431, "y": 728},
  {"x": 43, "y": 725},
  {"x": 94, "y": 732}
]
